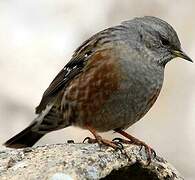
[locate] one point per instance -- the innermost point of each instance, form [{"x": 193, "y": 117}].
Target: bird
[{"x": 111, "y": 81}]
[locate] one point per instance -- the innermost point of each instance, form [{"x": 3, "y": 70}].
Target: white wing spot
[{"x": 74, "y": 67}]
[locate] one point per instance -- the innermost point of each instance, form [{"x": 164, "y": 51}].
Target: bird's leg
[
  {"x": 98, "y": 139},
  {"x": 133, "y": 140}
]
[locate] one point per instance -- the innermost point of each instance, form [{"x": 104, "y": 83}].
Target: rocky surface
[{"x": 82, "y": 161}]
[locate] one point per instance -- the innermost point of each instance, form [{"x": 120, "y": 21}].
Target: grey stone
[{"x": 82, "y": 161}]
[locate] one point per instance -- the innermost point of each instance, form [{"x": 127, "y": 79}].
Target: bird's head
[{"x": 160, "y": 39}]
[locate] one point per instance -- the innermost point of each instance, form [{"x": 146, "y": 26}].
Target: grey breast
[{"x": 141, "y": 82}]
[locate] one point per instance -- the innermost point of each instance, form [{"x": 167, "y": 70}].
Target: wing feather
[{"x": 76, "y": 64}]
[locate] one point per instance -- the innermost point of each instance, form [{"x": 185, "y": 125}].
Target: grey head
[{"x": 158, "y": 37}]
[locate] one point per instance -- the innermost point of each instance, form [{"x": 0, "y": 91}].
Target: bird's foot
[
  {"x": 98, "y": 139},
  {"x": 132, "y": 140},
  {"x": 114, "y": 144}
]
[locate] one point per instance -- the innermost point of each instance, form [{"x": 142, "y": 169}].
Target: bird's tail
[
  {"x": 30, "y": 135},
  {"x": 25, "y": 138},
  {"x": 48, "y": 120}
]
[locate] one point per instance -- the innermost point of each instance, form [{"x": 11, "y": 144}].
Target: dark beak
[{"x": 181, "y": 54}]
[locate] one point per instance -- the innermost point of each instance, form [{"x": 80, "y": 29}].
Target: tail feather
[
  {"x": 49, "y": 120},
  {"x": 29, "y": 137},
  {"x": 25, "y": 138}
]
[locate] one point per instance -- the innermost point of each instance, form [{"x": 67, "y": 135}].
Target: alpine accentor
[{"x": 111, "y": 82}]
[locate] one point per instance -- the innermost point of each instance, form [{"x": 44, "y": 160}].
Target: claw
[
  {"x": 119, "y": 149},
  {"x": 70, "y": 141},
  {"x": 149, "y": 151},
  {"x": 117, "y": 139},
  {"x": 153, "y": 153},
  {"x": 118, "y": 143},
  {"x": 123, "y": 152},
  {"x": 86, "y": 139},
  {"x": 98, "y": 139},
  {"x": 90, "y": 140},
  {"x": 140, "y": 148}
]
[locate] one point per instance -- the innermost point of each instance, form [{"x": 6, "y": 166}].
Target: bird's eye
[{"x": 165, "y": 42}]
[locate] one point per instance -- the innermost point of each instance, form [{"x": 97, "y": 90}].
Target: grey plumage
[{"x": 112, "y": 80}]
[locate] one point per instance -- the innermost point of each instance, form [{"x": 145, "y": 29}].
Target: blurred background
[{"x": 38, "y": 37}]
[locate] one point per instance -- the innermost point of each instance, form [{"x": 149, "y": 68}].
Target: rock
[{"x": 82, "y": 161}]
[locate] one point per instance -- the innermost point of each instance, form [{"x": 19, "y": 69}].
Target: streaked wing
[
  {"x": 60, "y": 82},
  {"x": 77, "y": 63}
]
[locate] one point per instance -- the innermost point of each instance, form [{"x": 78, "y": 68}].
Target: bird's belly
[
  {"x": 135, "y": 96},
  {"x": 123, "y": 109}
]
